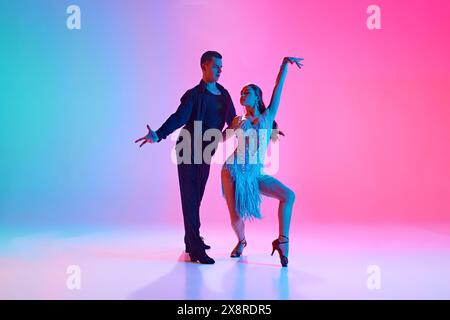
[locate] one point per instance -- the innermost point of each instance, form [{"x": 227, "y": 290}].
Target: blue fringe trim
[{"x": 247, "y": 194}]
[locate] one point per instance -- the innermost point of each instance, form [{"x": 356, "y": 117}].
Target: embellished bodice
[{"x": 253, "y": 137}]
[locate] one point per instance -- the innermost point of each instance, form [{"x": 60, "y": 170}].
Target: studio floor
[{"x": 325, "y": 262}]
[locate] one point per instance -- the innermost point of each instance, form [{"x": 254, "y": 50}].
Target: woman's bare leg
[
  {"x": 273, "y": 188},
  {"x": 236, "y": 222}
]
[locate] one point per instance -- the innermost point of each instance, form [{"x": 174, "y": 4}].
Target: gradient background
[{"x": 366, "y": 121}]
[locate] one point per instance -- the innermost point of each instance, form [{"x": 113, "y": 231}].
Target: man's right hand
[{"x": 151, "y": 137}]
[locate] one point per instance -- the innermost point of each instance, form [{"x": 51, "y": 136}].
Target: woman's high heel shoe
[
  {"x": 237, "y": 251},
  {"x": 276, "y": 246}
]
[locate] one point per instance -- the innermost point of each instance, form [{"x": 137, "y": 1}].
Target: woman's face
[{"x": 248, "y": 97}]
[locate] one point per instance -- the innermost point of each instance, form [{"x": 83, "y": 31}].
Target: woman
[{"x": 243, "y": 179}]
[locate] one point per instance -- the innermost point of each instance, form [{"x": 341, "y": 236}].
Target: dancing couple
[{"x": 243, "y": 178}]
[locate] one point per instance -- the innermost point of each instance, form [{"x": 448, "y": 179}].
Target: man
[{"x": 210, "y": 103}]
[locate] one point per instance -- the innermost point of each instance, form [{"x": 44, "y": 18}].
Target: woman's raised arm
[{"x": 276, "y": 95}]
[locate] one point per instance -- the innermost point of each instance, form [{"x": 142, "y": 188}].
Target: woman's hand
[
  {"x": 151, "y": 137},
  {"x": 292, "y": 60}
]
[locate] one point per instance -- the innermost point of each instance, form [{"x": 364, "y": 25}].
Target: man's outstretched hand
[{"x": 151, "y": 137}]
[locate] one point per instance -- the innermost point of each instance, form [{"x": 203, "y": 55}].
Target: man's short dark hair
[{"x": 208, "y": 55}]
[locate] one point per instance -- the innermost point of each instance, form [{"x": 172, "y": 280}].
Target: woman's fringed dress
[{"x": 246, "y": 164}]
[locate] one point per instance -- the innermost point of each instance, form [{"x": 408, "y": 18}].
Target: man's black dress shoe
[{"x": 201, "y": 257}]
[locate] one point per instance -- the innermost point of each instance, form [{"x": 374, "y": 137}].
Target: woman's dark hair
[
  {"x": 208, "y": 55},
  {"x": 262, "y": 106}
]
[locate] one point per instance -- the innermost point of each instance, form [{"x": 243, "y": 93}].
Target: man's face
[{"x": 212, "y": 69}]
